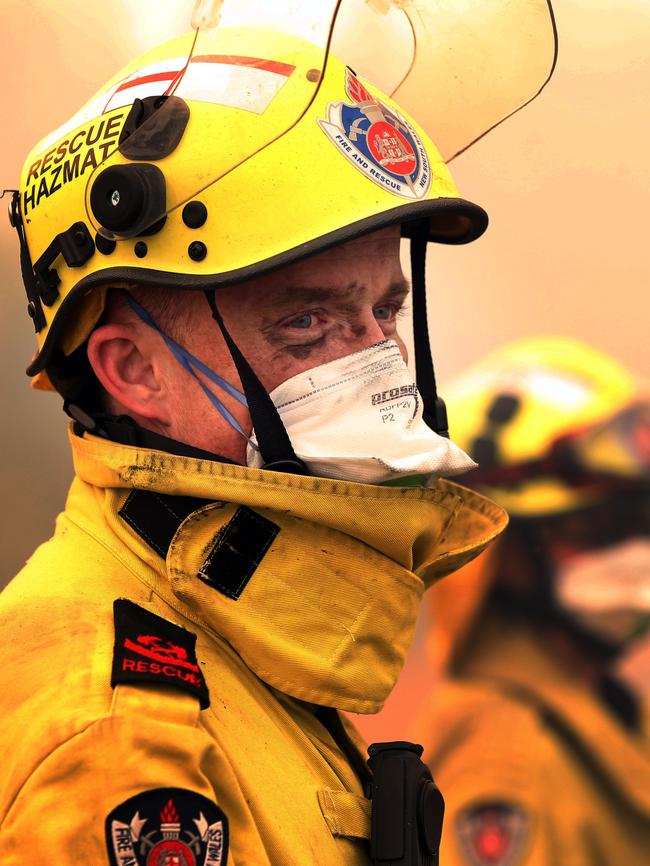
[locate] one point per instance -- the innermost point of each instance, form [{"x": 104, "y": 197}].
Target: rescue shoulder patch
[
  {"x": 151, "y": 649},
  {"x": 167, "y": 827},
  {"x": 493, "y": 833}
]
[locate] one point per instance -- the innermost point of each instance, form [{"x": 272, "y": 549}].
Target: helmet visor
[
  {"x": 459, "y": 68},
  {"x": 618, "y": 448}
]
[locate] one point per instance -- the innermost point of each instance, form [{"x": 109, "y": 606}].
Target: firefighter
[
  {"x": 210, "y": 250},
  {"x": 543, "y": 752}
]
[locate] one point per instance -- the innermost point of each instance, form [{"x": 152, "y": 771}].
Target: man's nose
[{"x": 366, "y": 330}]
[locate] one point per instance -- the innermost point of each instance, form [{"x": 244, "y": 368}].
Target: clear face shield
[{"x": 459, "y": 68}]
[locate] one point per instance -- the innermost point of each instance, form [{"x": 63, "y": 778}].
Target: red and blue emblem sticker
[
  {"x": 493, "y": 834},
  {"x": 167, "y": 827},
  {"x": 379, "y": 141}
]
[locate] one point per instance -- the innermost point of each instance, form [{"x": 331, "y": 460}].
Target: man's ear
[{"x": 124, "y": 366}]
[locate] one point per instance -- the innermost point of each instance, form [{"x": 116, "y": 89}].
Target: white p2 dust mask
[
  {"x": 609, "y": 590},
  {"x": 359, "y": 418}
]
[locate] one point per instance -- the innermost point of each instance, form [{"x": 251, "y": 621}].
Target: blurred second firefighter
[{"x": 542, "y": 751}]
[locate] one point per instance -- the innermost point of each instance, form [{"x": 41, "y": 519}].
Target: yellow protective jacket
[
  {"x": 535, "y": 768},
  {"x": 302, "y": 594}
]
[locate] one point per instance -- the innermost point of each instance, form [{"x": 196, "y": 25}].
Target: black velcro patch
[
  {"x": 150, "y": 649},
  {"x": 238, "y": 551},
  {"x": 157, "y": 516},
  {"x": 167, "y": 827}
]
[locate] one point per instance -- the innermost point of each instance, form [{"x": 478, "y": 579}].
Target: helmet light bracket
[
  {"x": 166, "y": 118},
  {"x": 76, "y": 245}
]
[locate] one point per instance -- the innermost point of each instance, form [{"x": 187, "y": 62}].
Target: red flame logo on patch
[
  {"x": 160, "y": 651},
  {"x": 169, "y": 815}
]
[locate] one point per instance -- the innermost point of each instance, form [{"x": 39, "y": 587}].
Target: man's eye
[
  {"x": 384, "y": 312},
  {"x": 303, "y": 322}
]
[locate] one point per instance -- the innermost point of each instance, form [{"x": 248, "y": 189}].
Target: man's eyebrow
[{"x": 397, "y": 289}]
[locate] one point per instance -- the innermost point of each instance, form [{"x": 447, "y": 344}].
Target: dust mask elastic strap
[{"x": 191, "y": 364}]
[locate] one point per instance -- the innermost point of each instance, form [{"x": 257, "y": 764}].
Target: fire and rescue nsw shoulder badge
[
  {"x": 493, "y": 834},
  {"x": 167, "y": 827},
  {"x": 379, "y": 141}
]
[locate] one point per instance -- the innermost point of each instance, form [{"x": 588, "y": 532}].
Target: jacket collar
[{"x": 330, "y": 610}]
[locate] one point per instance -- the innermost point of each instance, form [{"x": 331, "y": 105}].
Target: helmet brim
[{"x": 451, "y": 221}]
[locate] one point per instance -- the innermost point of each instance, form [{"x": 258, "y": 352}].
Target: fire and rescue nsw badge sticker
[
  {"x": 379, "y": 141},
  {"x": 167, "y": 827},
  {"x": 493, "y": 834}
]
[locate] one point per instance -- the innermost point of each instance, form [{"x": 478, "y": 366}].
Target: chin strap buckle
[
  {"x": 34, "y": 306},
  {"x": 40, "y": 279}
]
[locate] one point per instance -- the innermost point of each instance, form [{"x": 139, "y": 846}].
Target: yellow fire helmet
[
  {"x": 246, "y": 144},
  {"x": 553, "y": 423},
  {"x": 556, "y": 426}
]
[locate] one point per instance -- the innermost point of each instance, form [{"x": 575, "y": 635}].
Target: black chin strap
[
  {"x": 272, "y": 438},
  {"x": 435, "y": 412}
]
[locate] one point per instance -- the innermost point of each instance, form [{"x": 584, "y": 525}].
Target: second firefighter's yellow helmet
[{"x": 552, "y": 423}]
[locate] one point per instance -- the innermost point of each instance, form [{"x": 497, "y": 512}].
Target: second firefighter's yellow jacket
[
  {"x": 535, "y": 768},
  {"x": 127, "y": 740}
]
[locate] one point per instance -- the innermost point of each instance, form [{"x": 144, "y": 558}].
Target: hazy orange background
[{"x": 566, "y": 183}]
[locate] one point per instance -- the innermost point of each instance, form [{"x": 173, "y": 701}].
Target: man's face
[{"x": 292, "y": 320}]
